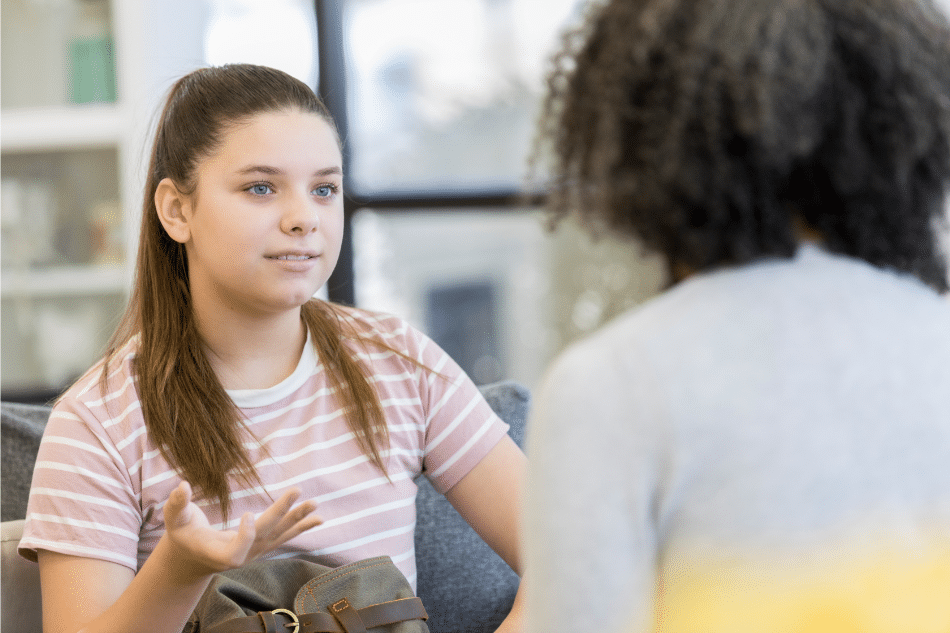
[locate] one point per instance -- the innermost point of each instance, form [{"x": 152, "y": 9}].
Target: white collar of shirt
[{"x": 306, "y": 367}]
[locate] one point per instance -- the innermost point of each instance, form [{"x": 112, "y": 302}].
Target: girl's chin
[
  {"x": 280, "y": 305},
  {"x": 298, "y": 299}
]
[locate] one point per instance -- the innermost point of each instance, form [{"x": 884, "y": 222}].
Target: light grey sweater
[{"x": 750, "y": 435}]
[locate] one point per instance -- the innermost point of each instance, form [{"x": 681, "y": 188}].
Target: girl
[{"x": 229, "y": 393}]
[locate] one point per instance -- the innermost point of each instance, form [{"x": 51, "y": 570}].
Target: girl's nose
[{"x": 300, "y": 216}]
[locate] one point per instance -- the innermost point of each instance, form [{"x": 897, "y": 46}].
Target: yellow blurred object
[{"x": 891, "y": 593}]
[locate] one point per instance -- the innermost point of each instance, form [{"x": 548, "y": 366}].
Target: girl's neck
[{"x": 253, "y": 353}]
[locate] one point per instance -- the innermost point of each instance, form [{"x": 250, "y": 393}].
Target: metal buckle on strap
[{"x": 293, "y": 616}]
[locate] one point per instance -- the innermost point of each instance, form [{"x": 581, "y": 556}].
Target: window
[
  {"x": 277, "y": 33},
  {"x": 447, "y": 100},
  {"x": 438, "y": 104}
]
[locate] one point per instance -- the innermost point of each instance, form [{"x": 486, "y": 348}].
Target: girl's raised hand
[{"x": 210, "y": 550}]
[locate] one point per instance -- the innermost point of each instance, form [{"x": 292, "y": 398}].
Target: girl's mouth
[{"x": 291, "y": 257}]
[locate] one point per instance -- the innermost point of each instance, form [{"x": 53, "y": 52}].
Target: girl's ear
[{"x": 173, "y": 210}]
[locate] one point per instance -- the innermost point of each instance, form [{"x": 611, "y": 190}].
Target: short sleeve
[
  {"x": 82, "y": 500},
  {"x": 461, "y": 427}
]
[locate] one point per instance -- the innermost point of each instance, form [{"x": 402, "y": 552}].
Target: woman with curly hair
[{"x": 764, "y": 446}]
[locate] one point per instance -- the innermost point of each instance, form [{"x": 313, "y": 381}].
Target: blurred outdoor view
[{"x": 448, "y": 102}]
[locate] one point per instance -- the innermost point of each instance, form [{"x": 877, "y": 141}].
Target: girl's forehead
[
  {"x": 282, "y": 136},
  {"x": 274, "y": 121}
]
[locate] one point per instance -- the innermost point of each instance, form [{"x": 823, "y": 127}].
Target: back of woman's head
[{"x": 708, "y": 128}]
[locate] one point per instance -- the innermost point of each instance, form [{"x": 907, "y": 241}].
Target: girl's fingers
[
  {"x": 275, "y": 526},
  {"x": 272, "y": 516},
  {"x": 301, "y": 526},
  {"x": 282, "y": 522},
  {"x": 302, "y": 513},
  {"x": 246, "y": 534}
]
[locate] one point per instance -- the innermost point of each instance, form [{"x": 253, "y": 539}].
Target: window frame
[{"x": 331, "y": 88}]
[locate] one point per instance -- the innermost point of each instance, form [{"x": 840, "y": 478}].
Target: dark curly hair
[{"x": 709, "y": 128}]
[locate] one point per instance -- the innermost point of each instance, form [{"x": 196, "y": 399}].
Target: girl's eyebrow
[{"x": 274, "y": 171}]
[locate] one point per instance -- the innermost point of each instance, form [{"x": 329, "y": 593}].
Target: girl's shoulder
[
  {"x": 388, "y": 339},
  {"x": 101, "y": 414},
  {"x": 372, "y": 326},
  {"x": 108, "y": 383}
]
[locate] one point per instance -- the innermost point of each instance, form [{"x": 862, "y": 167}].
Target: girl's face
[{"x": 263, "y": 227}]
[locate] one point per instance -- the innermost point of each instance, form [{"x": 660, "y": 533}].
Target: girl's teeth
[{"x": 294, "y": 257}]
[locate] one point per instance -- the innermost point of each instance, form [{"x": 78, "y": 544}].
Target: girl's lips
[
  {"x": 293, "y": 258},
  {"x": 295, "y": 262}
]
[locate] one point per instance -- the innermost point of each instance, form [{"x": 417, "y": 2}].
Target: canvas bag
[{"x": 301, "y": 596}]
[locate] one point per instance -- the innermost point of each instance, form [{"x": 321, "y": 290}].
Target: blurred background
[
  {"x": 436, "y": 100},
  {"x": 437, "y": 103}
]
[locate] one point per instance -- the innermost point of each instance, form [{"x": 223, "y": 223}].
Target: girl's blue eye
[
  {"x": 325, "y": 191},
  {"x": 260, "y": 189}
]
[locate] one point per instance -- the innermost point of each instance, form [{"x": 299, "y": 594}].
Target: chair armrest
[{"x": 464, "y": 585}]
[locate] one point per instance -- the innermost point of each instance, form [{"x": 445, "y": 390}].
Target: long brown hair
[{"x": 187, "y": 411}]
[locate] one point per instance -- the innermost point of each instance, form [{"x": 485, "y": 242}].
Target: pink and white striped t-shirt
[{"x": 100, "y": 482}]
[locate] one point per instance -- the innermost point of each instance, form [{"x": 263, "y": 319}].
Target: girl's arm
[
  {"x": 489, "y": 498},
  {"x": 95, "y": 596}
]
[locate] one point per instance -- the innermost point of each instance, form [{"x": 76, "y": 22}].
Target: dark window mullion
[
  {"x": 431, "y": 200},
  {"x": 332, "y": 89}
]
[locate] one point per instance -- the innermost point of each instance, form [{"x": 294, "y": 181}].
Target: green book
[{"x": 93, "y": 70}]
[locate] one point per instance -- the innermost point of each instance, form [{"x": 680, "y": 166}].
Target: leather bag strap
[
  {"x": 393, "y": 611},
  {"x": 348, "y": 617},
  {"x": 282, "y": 621}
]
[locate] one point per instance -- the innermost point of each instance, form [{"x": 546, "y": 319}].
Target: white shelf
[
  {"x": 62, "y": 128},
  {"x": 65, "y": 281},
  {"x": 82, "y": 164}
]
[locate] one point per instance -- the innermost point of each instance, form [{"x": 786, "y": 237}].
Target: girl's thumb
[{"x": 178, "y": 500}]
